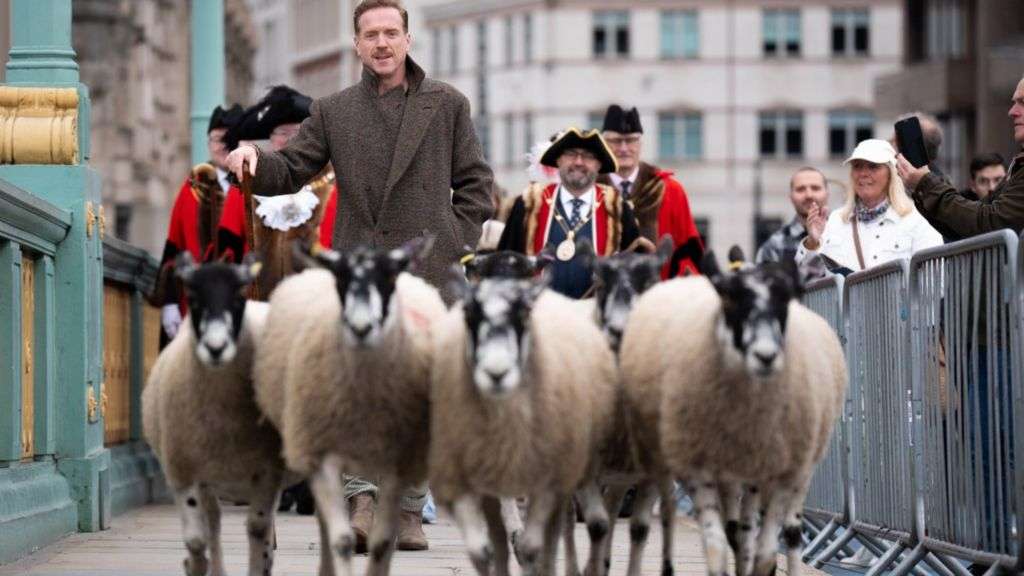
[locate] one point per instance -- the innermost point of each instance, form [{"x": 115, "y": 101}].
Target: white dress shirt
[
  {"x": 885, "y": 238},
  {"x": 222, "y": 178},
  {"x": 566, "y": 199},
  {"x": 617, "y": 180}
]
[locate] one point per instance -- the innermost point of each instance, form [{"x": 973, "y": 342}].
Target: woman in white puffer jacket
[{"x": 878, "y": 215}]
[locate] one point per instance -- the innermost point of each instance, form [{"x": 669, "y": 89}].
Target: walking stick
[{"x": 245, "y": 184}]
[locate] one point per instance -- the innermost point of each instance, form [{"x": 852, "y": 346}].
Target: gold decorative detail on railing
[
  {"x": 90, "y": 219},
  {"x": 38, "y": 125},
  {"x": 28, "y": 334},
  {"x": 116, "y": 393},
  {"x": 91, "y": 405},
  {"x": 102, "y": 222},
  {"x": 103, "y": 399}
]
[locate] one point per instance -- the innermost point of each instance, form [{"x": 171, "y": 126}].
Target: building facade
[
  {"x": 734, "y": 96},
  {"x": 963, "y": 60}
]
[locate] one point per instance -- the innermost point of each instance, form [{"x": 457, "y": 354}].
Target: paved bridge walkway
[{"x": 147, "y": 542}]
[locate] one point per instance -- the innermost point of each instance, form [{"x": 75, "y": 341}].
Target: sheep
[
  {"x": 523, "y": 391},
  {"x": 618, "y": 281},
  {"x": 200, "y": 418},
  {"x": 356, "y": 385},
  {"x": 742, "y": 401}
]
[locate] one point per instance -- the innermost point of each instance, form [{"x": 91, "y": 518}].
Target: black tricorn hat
[
  {"x": 225, "y": 117},
  {"x": 622, "y": 121},
  {"x": 590, "y": 140},
  {"x": 282, "y": 105}
]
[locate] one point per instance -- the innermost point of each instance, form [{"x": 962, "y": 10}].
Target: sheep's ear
[
  {"x": 665, "y": 248},
  {"x": 736, "y": 257},
  {"x": 709, "y": 266},
  {"x": 250, "y": 268},
  {"x": 541, "y": 261},
  {"x": 457, "y": 282},
  {"x": 185, "y": 266},
  {"x": 413, "y": 253}
]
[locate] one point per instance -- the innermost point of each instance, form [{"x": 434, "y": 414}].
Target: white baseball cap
[{"x": 875, "y": 151}]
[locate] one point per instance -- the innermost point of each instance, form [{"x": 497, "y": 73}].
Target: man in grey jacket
[{"x": 407, "y": 160}]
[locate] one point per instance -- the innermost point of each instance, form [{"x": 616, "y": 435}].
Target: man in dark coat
[
  {"x": 657, "y": 198},
  {"x": 957, "y": 217},
  {"x": 407, "y": 159},
  {"x": 558, "y": 215}
]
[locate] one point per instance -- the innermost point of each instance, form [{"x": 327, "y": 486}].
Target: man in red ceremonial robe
[
  {"x": 194, "y": 217},
  {"x": 657, "y": 198}
]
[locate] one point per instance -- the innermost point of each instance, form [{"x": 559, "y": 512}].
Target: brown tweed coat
[{"x": 438, "y": 180}]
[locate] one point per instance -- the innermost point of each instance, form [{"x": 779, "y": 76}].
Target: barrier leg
[
  {"x": 886, "y": 559},
  {"x": 823, "y": 536},
  {"x": 910, "y": 562},
  {"x": 937, "y": 565},
  {"x": 953, "y": 565},
  {"x": 833, "y": 548}
]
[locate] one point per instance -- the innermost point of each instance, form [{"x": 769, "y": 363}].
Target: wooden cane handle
[{"x": 245, "y": 185}]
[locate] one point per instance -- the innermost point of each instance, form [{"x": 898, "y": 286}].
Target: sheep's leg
[
  {"x": 473, "y": 525},
  {"x": 595, "y": 514},
  {"x": 572, "y": 567},
  {"x": 513, "y": 524},
  {"x": 326, "y": 563},
  {"x": 748, "y": 530},
  {"x": 792, "y": 527},
  {"x": 259, "y": 524},
  {"x": 614, "y": 495},
  {"x": 328, "y": 491},
  {"x": 668, "y": 522},
  {"x": 385, "y": 527},
  {"x": 494, "y": 513},
  {"x": 640, "y": 525},
  {"x": 542, "y": 506},
  {"x": 731, "y": 493},
  {"x": 709, "y": 514},
  {"x": 773, "y": 512},
  {"x": 211, "y": 508},
  {"x": 553, "y": 529},
  {"x": 194, "y": 528}
]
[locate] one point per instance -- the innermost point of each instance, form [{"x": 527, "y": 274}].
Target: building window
[
  {"x": 946, "y": 25},
  {"x": 611, "y": 34},
  {"x": 781, "y": 33},
  {"x": 453, "y": 50},
  {"x": 595, "y": 120},
  {"x": 483, "y": 133},
  {"x": 782, "y": 134},
  {"x": 481, "y": 45},
  {"x": 508, "y": 41},
  {"x": 680, "y": 136},
  {"x": 846, "y": 129},
  {"x": 510, "y": 140},
  {"x": 764, "y": 227},
  {"x": 850, "y": 32},
  {"x": 703, "y": 224},
  {"x": 680, "y": 35},
  {"x": 435, "y": 45},
  {"x": 527, "y": 38}
]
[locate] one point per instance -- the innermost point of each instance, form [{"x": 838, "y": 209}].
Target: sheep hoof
[
  {"x": 732, "y": 529},
  {"x": 597, "y": 530},
  {"x": 195, "y": 566},
  {"x": 666, "y": 568}
]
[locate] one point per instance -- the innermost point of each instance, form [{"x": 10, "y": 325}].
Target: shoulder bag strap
[{"x": 856, "y": 242}]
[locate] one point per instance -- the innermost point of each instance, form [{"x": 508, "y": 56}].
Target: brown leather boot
[
  {"x": 410, "y": 531},
  {"x": 360, "y": 513}
]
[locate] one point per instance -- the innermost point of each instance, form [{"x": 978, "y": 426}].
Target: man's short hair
[
  {"x": 931, "y": 130},
  {"x": 982, "y": 161},
  {"x": 824, "y": 181},
  {"x": 367, "y": 5}
]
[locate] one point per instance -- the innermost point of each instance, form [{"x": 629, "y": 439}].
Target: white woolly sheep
[
  {"x": 355, "y": 390},
  {"x": 200, "y": 418},
  {"x": 743, "y": 399},
  {"x": 523, "y": 391}
]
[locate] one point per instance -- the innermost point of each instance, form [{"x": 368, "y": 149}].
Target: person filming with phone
[
  {"x": 877, "y": 223},
  {"x": 959, "y": 217}
]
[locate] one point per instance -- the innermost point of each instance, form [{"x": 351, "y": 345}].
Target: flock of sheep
[{"x": 724, "y": 382}]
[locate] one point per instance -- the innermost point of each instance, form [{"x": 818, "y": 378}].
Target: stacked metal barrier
[{"x": 935, "y": 408}]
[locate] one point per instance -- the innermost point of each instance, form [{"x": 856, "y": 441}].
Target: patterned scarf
[{"x": 869, "y": 214}]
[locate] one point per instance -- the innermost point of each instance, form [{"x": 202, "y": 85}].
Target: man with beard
[
  {"x": 656, "y": 197},
  {"x": 557, "y": 216},
  {"x": 808, "y": 189}
]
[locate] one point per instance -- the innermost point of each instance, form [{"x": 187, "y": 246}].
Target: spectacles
[
  {"x": 579, "y": 154},
  {"x": 627, "y": 140},
  {"x": 284, "y": 133}
]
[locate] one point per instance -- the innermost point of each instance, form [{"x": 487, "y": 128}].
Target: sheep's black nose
[
  {"x": 765, "y": 359},
  {"x": 361, "y": 332}
]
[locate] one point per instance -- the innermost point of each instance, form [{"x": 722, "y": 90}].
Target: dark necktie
[
  {"x": 574, "y": 219},
  {"x": 625, "y": 189}
]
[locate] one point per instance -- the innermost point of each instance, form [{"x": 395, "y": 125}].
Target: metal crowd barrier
[
  {"x": 964, "y": 310},
  {"x": 827, "y": 499},
  {"x": 935, "y": 408}
]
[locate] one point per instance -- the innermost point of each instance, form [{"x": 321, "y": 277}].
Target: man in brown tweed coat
[{"x": 407, "y": 159}]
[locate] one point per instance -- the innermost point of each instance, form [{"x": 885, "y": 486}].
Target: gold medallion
[{"x": 566, "y": 250}]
